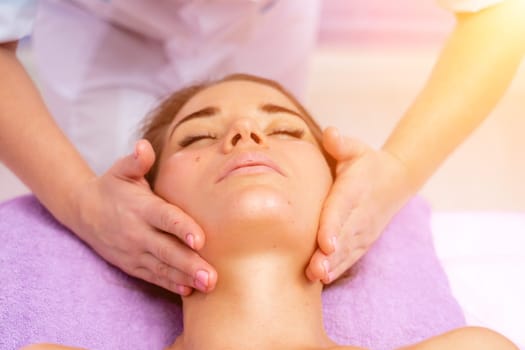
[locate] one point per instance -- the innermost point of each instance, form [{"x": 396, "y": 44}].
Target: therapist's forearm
[
  {"x": 31, "y": 144},
  {"x": 472, "y": 73}
]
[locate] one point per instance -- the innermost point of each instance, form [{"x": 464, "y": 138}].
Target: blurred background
[{"x": 372, "y": 59}]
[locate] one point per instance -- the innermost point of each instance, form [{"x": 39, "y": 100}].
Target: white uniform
[{"x": 103, "y": 64}]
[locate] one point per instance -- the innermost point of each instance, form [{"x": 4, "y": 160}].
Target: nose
[{"x": 244, "y": 132}]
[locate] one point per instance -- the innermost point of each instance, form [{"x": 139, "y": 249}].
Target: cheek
[
  {"x": 177, "y": 176},
  {"x": 314, "y": 168},
  {"x": 311, "y": 180}
]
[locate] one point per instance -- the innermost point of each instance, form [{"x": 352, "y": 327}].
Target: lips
[{"x": 246, "y": 162}]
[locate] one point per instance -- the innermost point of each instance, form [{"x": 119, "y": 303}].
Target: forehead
[{"x": 235, "y": 95}]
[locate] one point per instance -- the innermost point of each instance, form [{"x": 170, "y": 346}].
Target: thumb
[
  {"x": 137, "y": 164},
  {"x": 341, "y": 147}
]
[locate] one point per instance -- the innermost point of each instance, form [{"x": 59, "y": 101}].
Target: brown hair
[{"x": 157, "y": 122}]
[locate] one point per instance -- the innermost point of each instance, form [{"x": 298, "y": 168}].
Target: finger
[
  {"x": 146, "y": 275},
  {"x": 137, "y": 164},
  {"x": 310, "y": 275},
  {"x": 163, "y": 271},
  {"x": 340, "y": 267},
  {"x": 354, "y": 241},
  {"x": 336, "y": 210},
  {"x": 173, "y": 253},
  {"x": 184, "y": 290},
  {"x": 341, "y": 147},
  {"x": 318, "y": 267},
  {"x": 170, "y": 219},
  {"x": 157, "y": 272}
]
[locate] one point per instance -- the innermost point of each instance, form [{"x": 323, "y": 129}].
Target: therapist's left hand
[{"x": 369, "y": 188}]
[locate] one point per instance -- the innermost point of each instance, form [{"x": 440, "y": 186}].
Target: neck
[{"x": 261, "y": 301}]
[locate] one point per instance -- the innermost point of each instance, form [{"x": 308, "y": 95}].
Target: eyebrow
[
  {"x": 273, "y": 109},
  {"x": 211, "y": 111},
  {"x": 205, "y": 112}
]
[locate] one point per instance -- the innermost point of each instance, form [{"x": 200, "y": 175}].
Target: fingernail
[
  {"x": 190, "y": 240},
  {"x": 201, "y": 280},
  {"x": 326, "y": 265},
  {"x": 331, "y": 277},
  {"x": 137, "y": 150},
  {"x": 180, "y": 289}
]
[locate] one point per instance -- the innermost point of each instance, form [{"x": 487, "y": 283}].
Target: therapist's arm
[
  {"x": 117, "y": 214},
  {"x": 473, "y": 71},
  {"x": 32, "y": 146}
]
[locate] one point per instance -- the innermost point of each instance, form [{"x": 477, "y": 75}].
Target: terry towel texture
[{"x": 56, "y": 289}]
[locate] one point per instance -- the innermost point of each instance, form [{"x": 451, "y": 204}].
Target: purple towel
[{"x": 56, "y": 289}]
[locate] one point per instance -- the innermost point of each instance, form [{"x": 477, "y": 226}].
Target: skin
[
  {"x": 116, "y": 213},
  {"x": 120, "y": 218},
  {"x": 262, "y": 227},
  {"x": 471, "y": 74}
]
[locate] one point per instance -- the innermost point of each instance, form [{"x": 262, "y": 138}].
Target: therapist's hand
[
  {"x": 135, "y": 230},
  {"x": 369, "y": 188}
]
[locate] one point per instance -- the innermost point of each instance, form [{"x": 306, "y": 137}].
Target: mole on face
[{"x": 197, "y": 159}]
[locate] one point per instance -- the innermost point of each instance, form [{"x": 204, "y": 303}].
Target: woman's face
[{"x": 240, "y": 159}]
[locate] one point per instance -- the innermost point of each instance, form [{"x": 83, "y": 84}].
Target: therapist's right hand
[{"x": 128, "y": 225}]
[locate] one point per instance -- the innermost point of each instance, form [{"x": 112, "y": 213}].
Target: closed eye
[
  {"x": 188, "y": 140},
  {"x": 297, "y": 133}
]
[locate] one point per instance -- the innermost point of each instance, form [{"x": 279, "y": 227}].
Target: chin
[
  {"x": 253, "y": 219},
  {"x": 257, "y": 204}
]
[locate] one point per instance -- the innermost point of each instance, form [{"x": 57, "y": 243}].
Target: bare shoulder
[
  {"x": 466, "y": 338},
  {"x": 49, "y": 347}
]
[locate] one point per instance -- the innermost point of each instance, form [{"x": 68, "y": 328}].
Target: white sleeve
[
  {"x": 467, "y": 5},
  {"x": 16, "y": 19}
]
